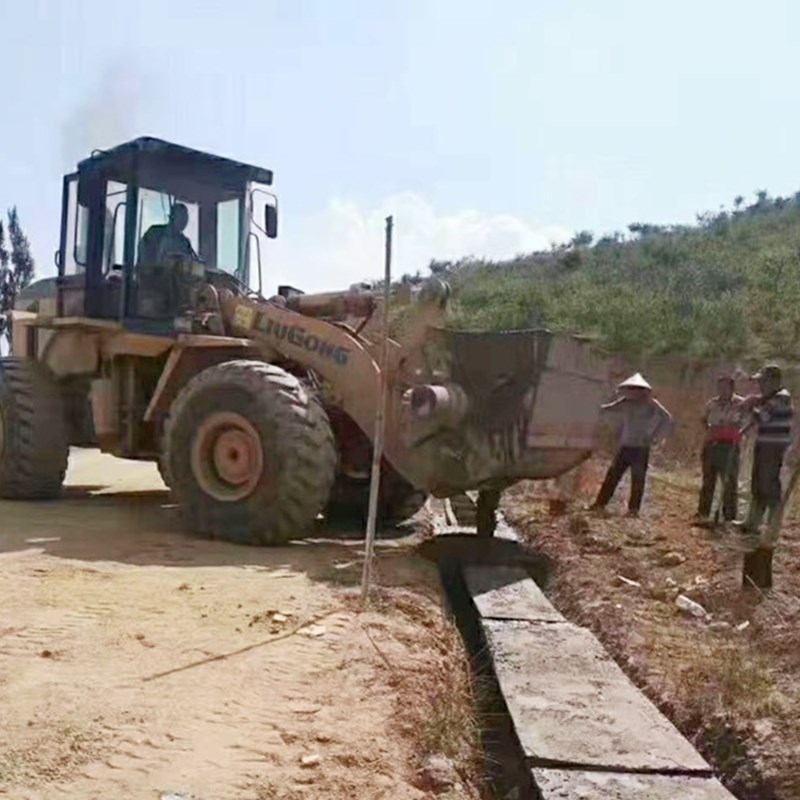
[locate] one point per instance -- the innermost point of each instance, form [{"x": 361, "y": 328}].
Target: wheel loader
[{"x": 156, "y": 341}]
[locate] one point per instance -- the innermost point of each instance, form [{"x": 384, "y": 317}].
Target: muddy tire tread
[
  {"x": 305, "y": 448},
  {"x": 34, "y": 459}
]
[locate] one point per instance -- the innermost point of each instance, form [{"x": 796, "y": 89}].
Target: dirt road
[{"x": 136, "y": 660}]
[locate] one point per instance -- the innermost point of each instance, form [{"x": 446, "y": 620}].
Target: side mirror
[{"x": 271, "y": 220}]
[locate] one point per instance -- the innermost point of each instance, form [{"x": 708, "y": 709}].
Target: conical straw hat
[{"x": 635, "y": 382}]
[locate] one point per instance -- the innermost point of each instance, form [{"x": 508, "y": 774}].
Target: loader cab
[{"x": 117, "y": 196}]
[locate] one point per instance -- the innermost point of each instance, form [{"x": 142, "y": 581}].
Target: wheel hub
[
  {"x": 235, "y": 456},
  {"x": 227, "y": 456}
]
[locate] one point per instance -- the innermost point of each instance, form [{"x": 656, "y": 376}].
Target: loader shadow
[
  {"x": 143, "y": 528},
  {"x": 452, "y": 552}
]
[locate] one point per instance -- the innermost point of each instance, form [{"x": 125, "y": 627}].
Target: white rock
[
  {"x": 177, "y": 796},
  {"x": 437, "y": 773},
  {"x": 689, "y": 606},
  {"x": 672, "y": 559}
]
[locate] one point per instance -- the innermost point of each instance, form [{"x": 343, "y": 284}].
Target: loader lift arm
[{"x": 335, "y": 354}]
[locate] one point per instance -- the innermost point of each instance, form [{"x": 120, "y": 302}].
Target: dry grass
[
  {"x": 733, "y": 692},
  {"x": 720, "y": 693},
  {"x": 777, "y": 622},
  {"x": 722, "y": 679},
  {"x": 446, "y": 715},
  {"x": 437, "y": 696}
]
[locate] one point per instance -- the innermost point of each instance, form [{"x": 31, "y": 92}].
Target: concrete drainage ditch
[{"x": 562, "y": 720}]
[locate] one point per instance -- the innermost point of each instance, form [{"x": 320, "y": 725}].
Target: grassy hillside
[{"x": 726, "y": 287}]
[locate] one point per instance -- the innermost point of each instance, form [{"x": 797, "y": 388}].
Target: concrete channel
[{"x": 575, "y": 727}]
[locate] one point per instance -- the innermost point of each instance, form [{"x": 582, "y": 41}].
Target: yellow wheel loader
[{"x": 152, "y": 343}]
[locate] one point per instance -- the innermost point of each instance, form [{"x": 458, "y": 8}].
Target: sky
[{"x": 485, "y": 129}]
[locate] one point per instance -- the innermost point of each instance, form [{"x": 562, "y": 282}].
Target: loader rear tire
[
  {"x": 249, "y": 454},
  {"x": 34, "y": 445}
]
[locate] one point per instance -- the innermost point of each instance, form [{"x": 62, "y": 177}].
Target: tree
[
  {"x": 582, "y": 239},
  {"x": 19, "y": 274},
  {"x": 762, "y": 199},
  {"x": 5, "y": 281}
]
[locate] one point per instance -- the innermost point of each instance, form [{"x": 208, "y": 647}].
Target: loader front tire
[
  {"x": 34, "y": 445},
  {"x": 249, "y": 454}
]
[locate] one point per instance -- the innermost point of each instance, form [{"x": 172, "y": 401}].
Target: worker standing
[
  {"x": 724, "y": 417},
  {"x": 642, "y": 422},
  {"x": 772, "y": 413}
]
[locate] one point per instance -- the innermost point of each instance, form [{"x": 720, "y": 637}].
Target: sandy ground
[
  {"x": 730, "y": 681},
  {"x": 136, "y": 660}
]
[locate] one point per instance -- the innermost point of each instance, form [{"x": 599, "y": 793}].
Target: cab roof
[{"x": 147, "y": 150}]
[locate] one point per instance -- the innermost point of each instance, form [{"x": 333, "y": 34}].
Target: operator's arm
[
  {"x": 614, "y": 405},
  {"x": 148, "y": 246},
  {"x": 748, "y": 413},
  {"x": 611, "y": 413},
  {"x": 665, "y": 422},
  {"x": 188, "y": 249}
]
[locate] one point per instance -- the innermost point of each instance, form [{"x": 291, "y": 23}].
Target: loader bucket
[{"x": 529, "y": 404}]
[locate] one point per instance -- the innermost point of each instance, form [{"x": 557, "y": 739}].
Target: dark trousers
[
  {"x": 634, "y": 458},
  {"x": 765, "y": 482},
  {"x": 720, "y": 462}
]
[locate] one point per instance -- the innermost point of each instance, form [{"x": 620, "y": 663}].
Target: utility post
[{"x": 380, "y": 421}]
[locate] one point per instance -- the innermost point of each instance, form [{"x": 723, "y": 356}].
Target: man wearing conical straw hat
[{"x": 642, "y": 422}]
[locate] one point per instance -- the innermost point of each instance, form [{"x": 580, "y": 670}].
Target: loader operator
[{"x": 161, "y": 241}]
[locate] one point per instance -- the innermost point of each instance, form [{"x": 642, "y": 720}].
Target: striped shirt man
[
  {"x": 772, "y": 411},
  {"x": 773, "y": 417}
]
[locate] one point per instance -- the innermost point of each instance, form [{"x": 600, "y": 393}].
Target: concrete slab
[
  {"x": 578, "y": 785},
  {"x": 508, "y": 593},
  {"x": 572, "y": 705}
]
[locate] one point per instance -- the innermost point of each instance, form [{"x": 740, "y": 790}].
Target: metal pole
[{"x": 380, "y": 420}]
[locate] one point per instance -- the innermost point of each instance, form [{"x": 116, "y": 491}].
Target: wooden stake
[{"x": 757, "y": 567}]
